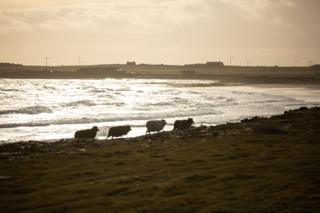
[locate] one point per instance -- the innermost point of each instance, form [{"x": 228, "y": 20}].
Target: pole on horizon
[
  {"x": 230, "y": 60},
  {"x": 79, "y": 61},
  {"x": 295, "y": 62},
  {"x": 46, "y": 62}
]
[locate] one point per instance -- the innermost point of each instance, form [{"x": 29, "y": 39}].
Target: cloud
[
  {"x": 132, "y": 16},
  {"x": 152, "y": 15}
]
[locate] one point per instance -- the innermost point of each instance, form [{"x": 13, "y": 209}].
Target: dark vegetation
[
  {"x": 316, "y": 67},
  {"x": 99, "y": 72},
  {"x": 257, "y": 165}
]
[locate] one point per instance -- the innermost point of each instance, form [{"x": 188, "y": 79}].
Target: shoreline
[
  {"x": 258, "y": 164},
  {"x": 140, "y": 131},
  {"x": 166, "y": 133},
  {"x": 53, "y": 127}
]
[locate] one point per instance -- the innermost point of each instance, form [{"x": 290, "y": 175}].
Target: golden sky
[{"x": 258, "y": 32}]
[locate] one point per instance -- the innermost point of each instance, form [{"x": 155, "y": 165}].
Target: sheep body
[
  {"x": 117, "y": 131},
  {"x": 183, "y": 124},
  {"x": 155, "y": 125},
  {"x": 86, "y": 133}
]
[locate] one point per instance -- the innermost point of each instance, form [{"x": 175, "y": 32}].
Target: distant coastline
[{"x": 245, "y": 74}]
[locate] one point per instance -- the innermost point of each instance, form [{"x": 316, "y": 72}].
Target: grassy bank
[{"x": 257, "y": 165}]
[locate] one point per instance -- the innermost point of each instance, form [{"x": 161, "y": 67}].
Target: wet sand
[{"x": 257, "y": 165}]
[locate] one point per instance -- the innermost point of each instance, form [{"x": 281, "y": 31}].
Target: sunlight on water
[{"x": 37, "y": 109}]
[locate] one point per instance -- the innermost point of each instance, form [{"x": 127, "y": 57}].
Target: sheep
[
  {"x": 86, "y": 133},
  {"x": 118, "y": 131},
  {"x": 155, "y": 126},
  {"x": 183, "y": 124}
]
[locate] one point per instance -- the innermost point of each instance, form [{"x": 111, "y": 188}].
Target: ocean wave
[
  {"x": 96, "y": 90},
  {"x": 49, "y": 87},
  {"x": 32, "y": 110},
  {"x": 130, "y": 118},
  {"x": 10, "y": 90},
  {"x": 78, "y": 103},
  {"x": 211, "y": 84},
  {"x": 4, "y": 126}
]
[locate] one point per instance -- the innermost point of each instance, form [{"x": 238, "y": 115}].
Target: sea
[{"x": 51, "y": 109}]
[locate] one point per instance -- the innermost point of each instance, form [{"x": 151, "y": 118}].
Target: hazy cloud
[
  {"x": 153, "y": 14},
  {"x": 135, "y": 15}
]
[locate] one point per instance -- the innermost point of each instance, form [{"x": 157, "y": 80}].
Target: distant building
[
  {"x": 212, "y": 64},
  {"x": 131, "y": 63},
  {"x": 215, "y": 64}
]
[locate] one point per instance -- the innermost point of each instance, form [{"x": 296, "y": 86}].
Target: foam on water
[{"x": 33, "y": 109}]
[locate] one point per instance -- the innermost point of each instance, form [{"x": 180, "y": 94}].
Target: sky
[{"x": 237, "y": 32}]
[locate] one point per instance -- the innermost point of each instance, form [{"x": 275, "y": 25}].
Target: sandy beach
[{"x": 256, "y": 165}]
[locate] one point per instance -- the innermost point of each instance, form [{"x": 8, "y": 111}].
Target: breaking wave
[
  {"x": 74, "y": 104},
  {"x": 32, "y": 110},
  {"x": 78, "y": 103},
  {"x": 212, "y": 84},
  {"x": 135, "y": 117}
]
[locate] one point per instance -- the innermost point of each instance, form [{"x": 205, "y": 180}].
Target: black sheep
[
  {"x": 183, "y": 124},
  {"x": 87, "y": 133},
  {"x": 155, "y": 126},
  {"x": 118, "y": 131}
]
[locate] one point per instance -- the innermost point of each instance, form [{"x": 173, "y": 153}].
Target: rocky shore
[{"x": 256, "y": 165}]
